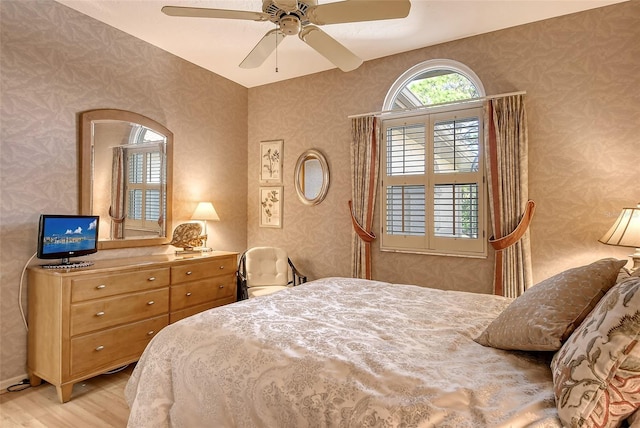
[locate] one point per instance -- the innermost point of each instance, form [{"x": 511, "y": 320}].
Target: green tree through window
[{"x": 442, "y": 88}]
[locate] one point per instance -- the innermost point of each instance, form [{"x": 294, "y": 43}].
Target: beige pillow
[{"x": 545, "y": 315}]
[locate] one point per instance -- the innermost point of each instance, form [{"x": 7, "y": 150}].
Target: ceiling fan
[{"x": 297, "y": 17}]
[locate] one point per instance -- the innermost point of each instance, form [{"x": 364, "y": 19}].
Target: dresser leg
[
  {"x": 64, "y": 392},
  {"x": 34, "y": 380}
]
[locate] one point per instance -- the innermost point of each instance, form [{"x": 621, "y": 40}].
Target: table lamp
[
  {"x": 625, "y": 232},
  {"x": 205, "y": 211}
]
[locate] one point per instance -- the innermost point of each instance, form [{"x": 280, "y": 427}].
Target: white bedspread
[{"x": 340, "y": 352}]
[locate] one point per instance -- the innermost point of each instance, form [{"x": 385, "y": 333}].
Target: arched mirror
[
  {"x": 126, "y": 177},
  {"x": 312, "y": 177}
]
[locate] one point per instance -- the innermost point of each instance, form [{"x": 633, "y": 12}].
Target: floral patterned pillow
[
  {"x": 596, "y": 373},
  {"x": 626, "y": 274}
]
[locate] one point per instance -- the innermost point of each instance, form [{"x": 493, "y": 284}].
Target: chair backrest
[{"x": 267, "y": 266}]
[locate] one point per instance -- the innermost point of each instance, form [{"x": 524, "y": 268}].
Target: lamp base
[{"x": 636, "y": 261}]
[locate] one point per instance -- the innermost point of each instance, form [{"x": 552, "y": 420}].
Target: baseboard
[{"x": 4, "y": 384}]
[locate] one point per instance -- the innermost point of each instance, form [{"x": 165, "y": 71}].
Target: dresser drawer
[
  {"x": 108, "y": 347},
  {"x": 184, "y": 313},
  {"x": 95, "y": 287},
  {"x": 219, "y": 266},
  {"x": 112, "y": 311},
  {"x": 197, "y": 292}
]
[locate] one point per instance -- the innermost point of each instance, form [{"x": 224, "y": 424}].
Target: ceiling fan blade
[
  {"x": 263, "y": 49},
  {"x": 286, "y": 5},
  {"x": 358, "y": 10},
  {"x": 330, "y": 48},
  {"x": 199, "y": 12}
]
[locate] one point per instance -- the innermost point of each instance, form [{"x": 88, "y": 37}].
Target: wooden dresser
[{"x": 85, "y": 322}]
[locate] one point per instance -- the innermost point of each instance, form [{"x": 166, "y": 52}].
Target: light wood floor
[{"x": 95, "y": 402}]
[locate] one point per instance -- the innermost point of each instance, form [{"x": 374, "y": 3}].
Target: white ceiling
[{"x": 219, "y": 45}]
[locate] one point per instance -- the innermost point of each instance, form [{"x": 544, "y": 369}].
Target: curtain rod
[{"x": 410, "y": 110}]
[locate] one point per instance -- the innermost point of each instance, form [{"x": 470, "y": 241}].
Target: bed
[{"x": 343, "y": 352}]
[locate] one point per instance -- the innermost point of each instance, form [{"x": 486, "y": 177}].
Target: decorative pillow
[
  {"x": 625, "y": 274},
  {"x": 596, "y": 373},
  {"x": 545, "y": 315}
]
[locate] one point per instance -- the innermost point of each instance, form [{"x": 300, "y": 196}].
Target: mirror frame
[
  {"x": 324, "y": 189},
  {"x": 86, "y": 171}
]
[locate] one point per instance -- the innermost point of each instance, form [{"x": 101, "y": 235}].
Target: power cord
[
  {"x": 116, "y": 370},
  {"x": 24, "y": 318},
  {"x": 20, "y": 386},
  {"x": 24, "y": 383}
]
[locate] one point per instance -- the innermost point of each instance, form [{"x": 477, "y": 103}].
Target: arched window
[
  {"x": 433, "y": 82},
  {"x": 432, "y": 188}
]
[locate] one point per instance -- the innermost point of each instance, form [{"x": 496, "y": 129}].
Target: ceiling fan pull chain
[{"x": 276, "y": 39}]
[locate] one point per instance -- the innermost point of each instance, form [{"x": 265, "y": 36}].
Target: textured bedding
[{"x": 341, "y": 352}]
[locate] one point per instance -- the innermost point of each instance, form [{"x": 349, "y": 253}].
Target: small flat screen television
[{"x": 66, "y": 236}]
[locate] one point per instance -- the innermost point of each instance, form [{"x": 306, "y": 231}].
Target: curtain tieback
[
  {"x": 500, "y": 244},
  {"x": 116, "y": 219},
  {"x": 362, "y": 233}
]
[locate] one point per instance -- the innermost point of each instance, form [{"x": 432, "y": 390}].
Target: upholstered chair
[{"x": 264, "y": 270}]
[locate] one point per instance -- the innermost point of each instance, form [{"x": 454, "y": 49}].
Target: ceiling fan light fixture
[
  {"x": 284, "y": 5},
  {"x": 290, "y": 25}
]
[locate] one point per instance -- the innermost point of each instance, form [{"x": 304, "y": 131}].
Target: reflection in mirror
[
  {"x": 312, "y": 177},
  {"x": 126, "y": 177}
]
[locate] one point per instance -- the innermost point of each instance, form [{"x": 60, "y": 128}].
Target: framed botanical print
[
  {"x": 271, "y": 206},
  {"x": 271, "y": 161}
]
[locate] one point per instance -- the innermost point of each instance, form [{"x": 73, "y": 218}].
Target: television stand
[{"x": 66, "y": 264}]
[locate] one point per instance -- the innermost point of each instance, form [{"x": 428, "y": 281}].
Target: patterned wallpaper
[
  {"x": 581, "y": 73},
  {"x": 56, "y": 63}
]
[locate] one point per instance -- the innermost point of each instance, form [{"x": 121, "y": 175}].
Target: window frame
[
  {"x": 140, "y": 145},
  {"x": 429, "y": 243},
  {"x": 425, "y": 67}
]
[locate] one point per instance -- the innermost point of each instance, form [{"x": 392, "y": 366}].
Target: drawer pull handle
[
  {"x": 150, "y": 302},
  {"x": 100, "y": 348},
  {"x": 150, "y": 333},
  {"x": 188, "y": 293},
  {"x": 220, "y": 286},
  {"x": 152, "y": 278},
  {"x": 101, "y": 286},
  {"x": 99, "y": 314},
  {"x": 189, "y": 272},
  {"x": 222, "y": 267}
]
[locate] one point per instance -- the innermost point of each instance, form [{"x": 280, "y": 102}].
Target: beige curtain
[
  {"x": 506, "y": 146},
  {"x": 364, "y": 170},
  {"x": 118, "y": 189}
]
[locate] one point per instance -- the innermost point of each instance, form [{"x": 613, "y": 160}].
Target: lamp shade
[
  {"x": 205, "y": 211},
  {"x": 625, "y": 232}
]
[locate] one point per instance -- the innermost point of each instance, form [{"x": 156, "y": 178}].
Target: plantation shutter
[{"x": 433, "y": 185}]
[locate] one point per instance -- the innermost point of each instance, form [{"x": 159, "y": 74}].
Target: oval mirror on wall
[
  {"x": 126, "y": 177},
  {"x": 311, "y": 177}
]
